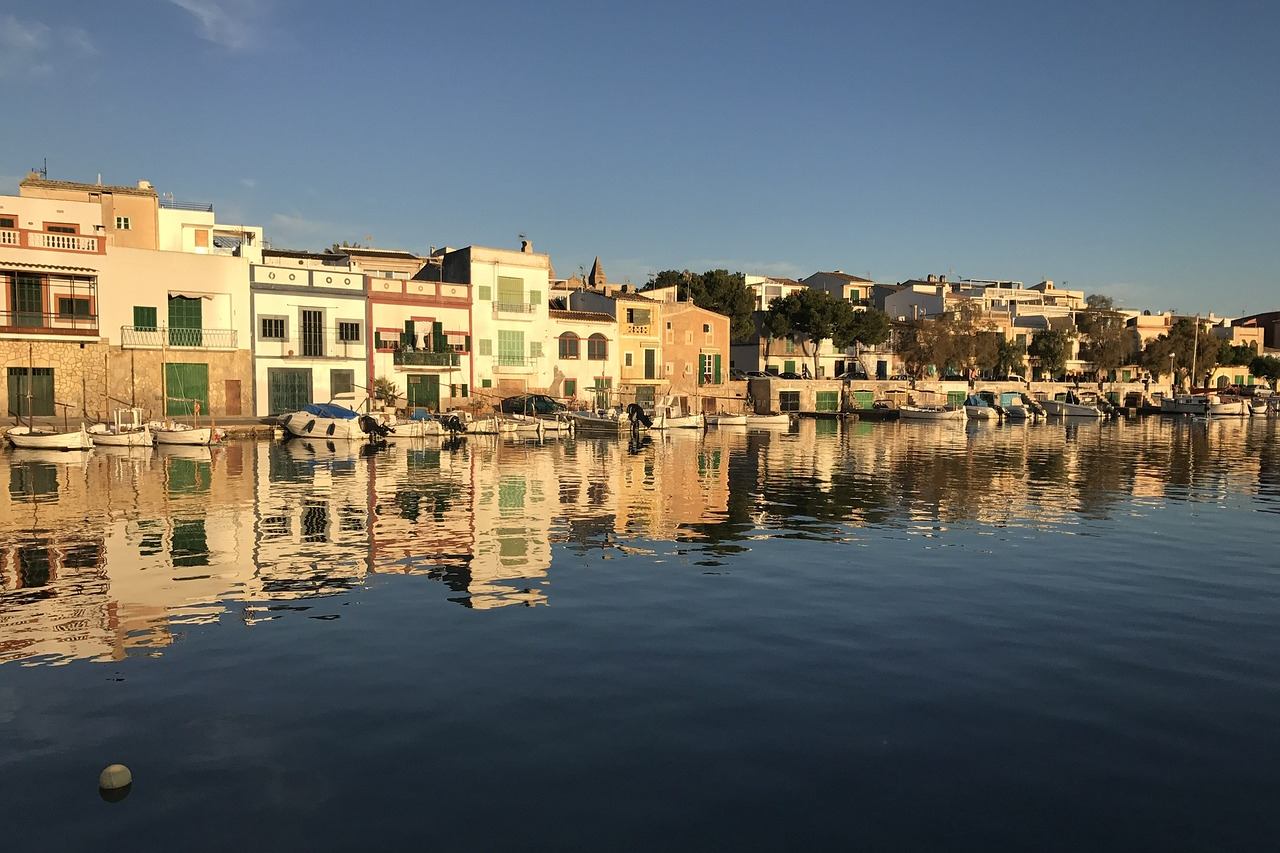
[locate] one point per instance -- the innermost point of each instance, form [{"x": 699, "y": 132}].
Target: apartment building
[
  {"x": 585, "y": 371},
  {"x": 638, "y": 321},
  {"x": 850, "y": 288},
  {"x": 109, "y": 295}
]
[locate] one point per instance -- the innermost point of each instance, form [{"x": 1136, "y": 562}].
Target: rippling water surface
[{"x": 888, "y": 636}]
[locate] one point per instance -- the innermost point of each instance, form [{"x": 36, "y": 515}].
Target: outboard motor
[
  {"x": 374, "y": 428},
  {"x": 1033, "y": 404},
  {"x": 452, "y": 424},
  {"x": 635, "y": 414}
]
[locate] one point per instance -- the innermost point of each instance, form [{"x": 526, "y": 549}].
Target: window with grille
[
  {"x": 273, "y": 329},
  {"x": 72, "y": 308},
  {"x": 789, "y": 401},
  {"x": 348, "y": 331}
]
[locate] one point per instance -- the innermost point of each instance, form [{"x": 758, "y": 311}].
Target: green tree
[
  {"x": 1236, "y": 355},
  {"x": 1266, "y": 367},
  {"x": 816, "y": 315},
  {"x": 1010, "y": 358},
  {"x": 1191, "y": 346},
  {"x": 716, "y": 290},
  {"x": 1105, "y": 341},
  {"x": 774, "y": 324},
  {"x": 1051, "y": 349}
]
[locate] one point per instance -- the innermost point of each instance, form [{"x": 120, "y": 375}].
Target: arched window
[
  {"x": 568, "y": 345},
  {"x": 597, "y": 347}
]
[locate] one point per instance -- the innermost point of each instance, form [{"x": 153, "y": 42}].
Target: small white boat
[
  {"x": 1185, "y": 404},
  {"x": 127, "y": 429},
  {"x": 930, "y": 413},
  {"x": 1223, "y": 407},
  {"x": 1072, "y": 406},
  {"x": 774, "y": 420},
  {"x": 185, "y": 434},
  {"x": 327, "y": 420},
  {"x": 723, "y": 419},
  {"x": 663, "y": 420},
  {"x": 27, "y": 438},
  {"x": 521, "y": 425},
  {"x": 556, "y": 423},
  {"x": 600, "y": 421}
]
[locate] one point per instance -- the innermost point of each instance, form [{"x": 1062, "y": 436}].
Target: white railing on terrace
[
  {"x": 65, "y": 242},
  {"x": 155, "y": 337},
  {"x": 10, "y": 237}
]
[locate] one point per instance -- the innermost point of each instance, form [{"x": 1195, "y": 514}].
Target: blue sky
[{"x": 1127, "y": 148}]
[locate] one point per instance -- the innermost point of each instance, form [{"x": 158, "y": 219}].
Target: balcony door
[
  {"x": 186, "y": 319},
  {"x": 312, "y": 333},
  {"x": 27, "y": 301}
]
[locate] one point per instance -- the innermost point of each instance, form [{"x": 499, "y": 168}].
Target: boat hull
[
  {"x": 980, "y": 413},
  {"x": 306, "y": 425},
  {"x": 769, "y": 420},
  {"x": 662, "y": 421},
  {"x": 915, "y": 413},
  {"x": 132, "y": 438},
  {"x": 194, "y": 437},
  {"x": 726, "y": 420},
  {"x": 1228, "y": 409},
  {"x": 25, "y": 439}
]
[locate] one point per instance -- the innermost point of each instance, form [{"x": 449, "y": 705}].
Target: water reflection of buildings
[{"x": 111, "y": 553}]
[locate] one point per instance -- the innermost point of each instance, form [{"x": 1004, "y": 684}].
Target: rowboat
[
  {"x": 127, "y": 429},
  {"x": 28, "y": 438}
]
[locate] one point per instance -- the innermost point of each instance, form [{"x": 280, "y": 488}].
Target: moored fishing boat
[
  {"x": 930, "y": 413},
  {"x": 771, "y": 420},
  {"x": 673, "y": 413},
  {"x": 978, "y": 409},
  {"x": 29, "y": 438},
  {"x": 1222, "y": 407},
  {"x": 168, "y": 432},
  {"x": 723, "y": 419},
  {"x": 127, "y": 429},
  {"x": 1072, "y": 405}
]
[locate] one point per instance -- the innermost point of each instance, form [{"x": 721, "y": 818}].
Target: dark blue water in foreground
[{"x": 891, "y": 637}]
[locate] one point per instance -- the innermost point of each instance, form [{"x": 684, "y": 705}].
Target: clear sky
[{"x": 1127, "y": 148}]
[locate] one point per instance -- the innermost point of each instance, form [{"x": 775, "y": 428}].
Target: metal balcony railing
[
  {"x": 155, "y": 337},
  {"x": 415, "y": 358},
  {"x": 41, "y": 323},
  {"x": 198, "y": 206},
  {"x": 513, "y": 308}
]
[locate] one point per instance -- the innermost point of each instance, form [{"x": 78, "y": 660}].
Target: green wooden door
[
  {"x": 423, "y": 391},
  {"x": 186, "y": 385},
  {"x": 186, "y": 318},
  {"x": 288, "y": 389},
  {"x": 650, "y": 364},
  {"x": 39, "y": 401},
  {"x": 788, "y": 367}
]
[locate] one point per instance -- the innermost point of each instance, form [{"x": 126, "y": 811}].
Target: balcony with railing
[
  {"x": 420, "y": 358},
  {"x": 32, "y": 304},
  {"x": 513, "y": 364},
  {"x": 157, "y": 337},
  {"x": 519, "y": 310},
  {"x": 638, "y": 329},
  {"x": 48, "y": 323},
  {"x": 24, "y": 238}
]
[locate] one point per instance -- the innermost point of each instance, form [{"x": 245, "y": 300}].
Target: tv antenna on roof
[{"x": 43, "y": 171}]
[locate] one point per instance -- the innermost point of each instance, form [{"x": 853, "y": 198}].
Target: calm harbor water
[{"x": 876, "y": 636}]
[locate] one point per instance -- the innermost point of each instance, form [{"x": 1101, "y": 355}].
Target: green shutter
[
  {"x": 788, "y": 367},
  {"x": 510, "y": 290},
  {"x": 702, "y": 369},
  {"x": 438, "y": 342},
  {"x": 715, "y": 369},
  {"x": 535, "y": 297},
  {"x": 186, "y": 317},
  {"x": 484, "y": 293},
  {"x": 827, "y": 401},
  {"x": 40, "y": 402},
  {"x": 510, "y": 347},
  {"x": 486, "y": 347},
  {"x": 571, "y": 387},
  {"x": 144, "y": 317},
  {"x": 288, "y": 389}
]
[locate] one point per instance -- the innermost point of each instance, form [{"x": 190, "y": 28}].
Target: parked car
[
  {"x": 532, "y": 404},
  {"x": 851, "y": 375},
  {"x": 789, "y": 375},
  {"x": 953, "y": 377},
  {"x": 1013, "y": 377},
  {"x": 900, "y": 377},
  {"x": 756, "y": 374},
  {"x": 737, "y": 374}
]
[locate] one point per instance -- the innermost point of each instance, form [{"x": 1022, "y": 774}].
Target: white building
[
  {"x": 310, "y": 341},
  {"x": 585, "y": 370},
  {"x": 510, "y": 328}
]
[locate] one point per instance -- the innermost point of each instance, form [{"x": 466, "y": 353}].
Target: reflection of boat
[
  {"x": 199, "y": 452},
  {"x": 52, "y": 457},
  {"x": 185, "y": 434},
  {"x": 127, "y": 429},
  {"x": 311, "y": 449},
  {"x": 38, "y": 439},
  {"x": 723, "y": 419},
  {"x": 930, "y": 413}
]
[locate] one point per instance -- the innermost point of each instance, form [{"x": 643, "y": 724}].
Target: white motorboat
[
  {"x": 978, "y": 409},
  {"x": 127, "y": 429},
  {"x": 1072, "y": 405},
  {"x": 185, "y": 434},
  {"x": 28, "y": 438},
  {"x": 1185, "y": 404},
  {"x": 723, "y": 419},
  {"x": 556, "y": 423},
  {"x": 774, "y": 420},
  {"x": 673, "y": 413},
  {"x": 931, "y": 413},
  {"x": 328, "y": 420},
  {"x": 431, "y": 426},
  {"x": 600, "y": 421}
]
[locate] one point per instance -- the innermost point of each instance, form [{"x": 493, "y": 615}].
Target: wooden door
[{"x": 233, "y": 396}]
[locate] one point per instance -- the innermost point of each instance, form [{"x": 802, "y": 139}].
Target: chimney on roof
[
  {"x": 144, "y": 185},
  {"x": 526, "y": 247},
  {"x": 942, "y": 279},
  {"x": 931, "y": 279}
]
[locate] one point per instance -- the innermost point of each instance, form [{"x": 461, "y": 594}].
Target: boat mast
[
  {"x": 1195, "y": 343},
  {"x": 31, "y": 375}
]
